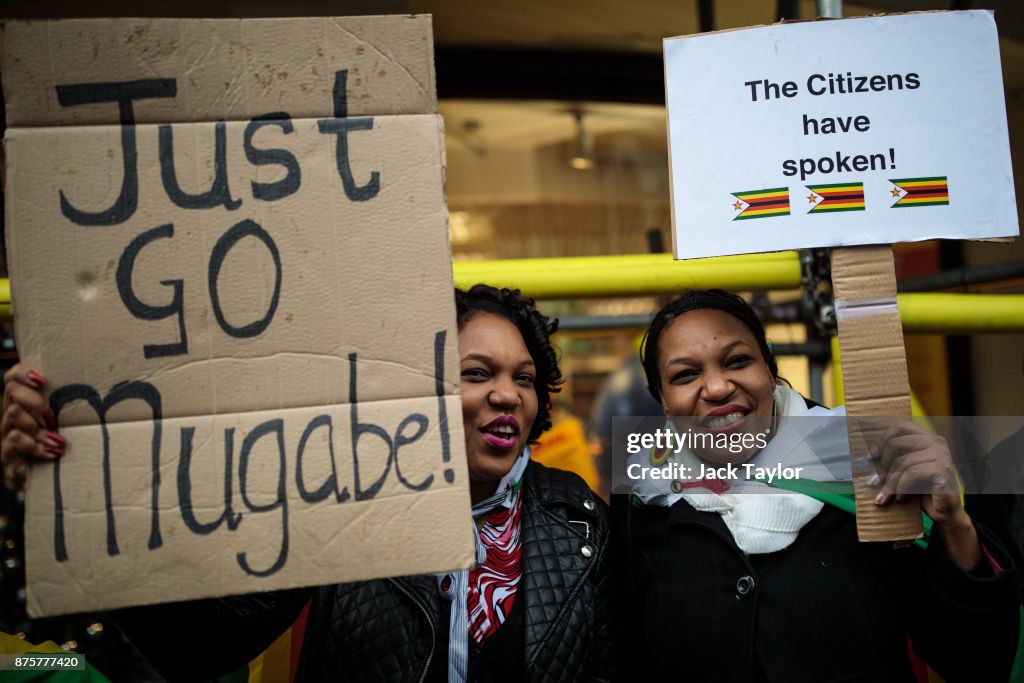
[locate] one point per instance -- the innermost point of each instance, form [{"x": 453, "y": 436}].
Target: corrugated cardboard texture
[
  {"x": 247, "y": 326},
  {"x": 226, "y": 69},
  {"x": 366, "y": 277},
  {"x": 875, "y": 380},
  {"x": 136, "y": 556}
]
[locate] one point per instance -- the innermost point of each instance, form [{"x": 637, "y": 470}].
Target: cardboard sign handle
[{"x": 875, "y": 379}]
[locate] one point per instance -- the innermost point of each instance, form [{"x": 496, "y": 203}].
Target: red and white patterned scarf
[
  {"x": 494, "y": 580},
  {"x": 492, "y": 585}
]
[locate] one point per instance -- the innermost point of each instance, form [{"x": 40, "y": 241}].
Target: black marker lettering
[
  {"x": 442, "y": 409},
  {"x": 185, "y": 485},
  {"x": 123, "y": 93},
  {"x": 358, "y": 430},
  {"x": 331, "y": 483},
  {"x": 144, "y": 311},
  {"x": 259, "y": 431},
  {"x": 341, "y": 126},
  {"x": 401, "y": 439},
  {"x": 246, "y": 228},
  {"x": 262, "y": 157},
  {"x": 218, "y": 195},
  {"x": 124, "y": 391}
]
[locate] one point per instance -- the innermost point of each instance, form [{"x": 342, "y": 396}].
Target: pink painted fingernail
[
  {"x": 51, "y": 421},
  {"x": 879, "y": 498},
  {"x": 57, "y": 439},
  {"x": 54, "y": 450},
  {"x": 36, "y": 378},
  {"x": 875, "y": 480}
]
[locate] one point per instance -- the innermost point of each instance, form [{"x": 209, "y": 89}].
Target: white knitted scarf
[{"x": 761, "y": 522}]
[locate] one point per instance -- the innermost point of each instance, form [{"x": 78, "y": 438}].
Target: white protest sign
[{"x": 832, "y": 133}]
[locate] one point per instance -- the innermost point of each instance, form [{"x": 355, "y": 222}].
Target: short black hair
[
  {"x": 536, "y": 330},
  {"x": 695, "y": 300}
]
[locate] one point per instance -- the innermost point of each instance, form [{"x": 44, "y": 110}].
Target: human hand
[
  {"x": 28, "y": 430},
  {"x": 910, "y": 460}
]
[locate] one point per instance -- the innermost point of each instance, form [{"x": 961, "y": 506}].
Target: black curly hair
[
  {"x": 536, "y": 330},
  {"x": 694, "y": 300}
]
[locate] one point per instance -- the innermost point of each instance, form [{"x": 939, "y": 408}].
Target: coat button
[
  {"x": 744, "y": 587},
  {"x": 587, "y": 551},
  {"x": 589, "y": 504}
]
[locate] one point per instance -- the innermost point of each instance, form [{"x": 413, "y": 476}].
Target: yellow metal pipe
[
  {"x": 594, "y": 276},
  {"x": 642, "y": 275},
  {"x": 620, "y": 261},
  {"x": 837, "y": 374},
  {"x": 968, "y": 313},
  {"x": 649, "y": 274},
  {"x": 5, "y": 300}
]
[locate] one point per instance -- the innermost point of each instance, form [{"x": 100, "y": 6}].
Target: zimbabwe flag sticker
[
  {"x": 836, "y": 197},
  {"x": 761, "y": 203},
  {"x": 912, "y": 192}
]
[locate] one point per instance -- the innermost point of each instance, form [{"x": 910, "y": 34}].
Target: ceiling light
[{"x": 583, "y": 149}]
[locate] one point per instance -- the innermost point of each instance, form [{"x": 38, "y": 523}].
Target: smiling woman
[
  {"x": 706, "y": 357},
  {"x": 754, "y": 585},
  {"x": 712, "y": 369},
  {"x": 499, "y": 401}
]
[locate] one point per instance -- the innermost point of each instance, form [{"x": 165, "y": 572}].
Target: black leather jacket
[{"x": 387, "y": 630}]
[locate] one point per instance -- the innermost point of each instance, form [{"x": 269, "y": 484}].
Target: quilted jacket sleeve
[
  {"x": 566, "y": 579},
  {"x": 202, "y": 639}
]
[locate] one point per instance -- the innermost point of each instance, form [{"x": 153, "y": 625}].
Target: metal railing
[{"x": 659, "y": 274}]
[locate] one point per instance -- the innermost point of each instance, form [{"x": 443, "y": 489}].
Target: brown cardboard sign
[
  {"x": 228, "y": 255},
  {"x": 875, "y": 380}
]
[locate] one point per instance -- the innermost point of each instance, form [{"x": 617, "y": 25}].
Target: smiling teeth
[
  {"x": 504, "y": 430},
  {"x": 720, "y": 421}
]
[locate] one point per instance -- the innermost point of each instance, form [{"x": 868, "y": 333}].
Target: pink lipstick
[{"x": 502, "y": 432}]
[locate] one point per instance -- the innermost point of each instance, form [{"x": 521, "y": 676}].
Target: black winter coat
[
  {"x": 693, "y": 606},
  {"x": 387, "y": 630}
]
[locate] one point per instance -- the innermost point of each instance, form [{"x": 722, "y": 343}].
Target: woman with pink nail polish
[
  {"x": 728, "y": 582},
  {"x": 535, "y": 607},
  {"x": 29, "y": 429}
]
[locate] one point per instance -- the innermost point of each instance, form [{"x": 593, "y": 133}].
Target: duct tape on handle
[{"x": 848, "y": 311}]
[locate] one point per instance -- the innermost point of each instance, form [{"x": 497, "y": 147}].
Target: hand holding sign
[{"x": 29, "y": 428}]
